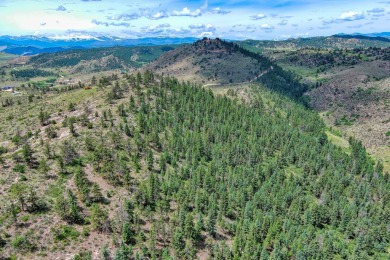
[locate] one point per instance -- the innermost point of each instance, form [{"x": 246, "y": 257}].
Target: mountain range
[{"x": 31, "y": 45}]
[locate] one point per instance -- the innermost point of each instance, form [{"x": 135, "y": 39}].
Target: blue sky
[{"x": 230, "y": 19}]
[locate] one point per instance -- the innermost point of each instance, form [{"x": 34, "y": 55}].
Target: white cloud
[
  {"x": 158, "y": 15},
  {"x": 345, "y": 17},
  {"x": 58, "y": 21},
  {"x": 205, "y": 34},
  {"x": 203, "y": 27},
  {"x": 258, "y": 16},
  {"x": 266, "y": 26},
  {"x": 351, "y": 16},
  {"x": 218, "y": 10},
  {"x": 157, "y": 26},
  {"x": 187, "y": 12}
]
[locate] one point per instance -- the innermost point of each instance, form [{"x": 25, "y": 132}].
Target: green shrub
[
  {"x": 83, "y": 255},
  {"x": 22, "y": 243},
  {"x": 21, "y": 168},
  {"x": 65, "y": 233},
  {"x": 86, "y": 232},
  {"x": 25, "y": 218},
  {"x": 3, "y": 150},
  {"x": 388, "y": 133}
]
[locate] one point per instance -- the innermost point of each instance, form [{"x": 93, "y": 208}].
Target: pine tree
[
  {"x": 211, "y": 222},
  {"x": 99, "y": 218},
  {"x": 18, "y": 191},
  {"x": 189, "y": 229},
  {"x": 127, "y": 234},
  {"x": 127, "y": 130},
  {"x": 43, "y": 167},
  {"x": 96, "y": 193},
  {"x": 178, "y": 242},
  {"x": 199, "y": 226},
  {"x": 129, "y": 210},
  {"x": 71, "y": 127},
  {"x": 27, "y": 153},
  {"x": 93, "y": 80},
  {"x": 73, "y": 214},
  {"x": 150, "y": 160}
]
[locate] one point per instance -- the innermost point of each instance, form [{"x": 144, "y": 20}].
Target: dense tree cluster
[
  {"x": 254, "y": 179},
  {"x": 251, "y": 181},
  {"x": 30, "y": 73},
  {"x": 326, "y": 59},
  {"x": 123, "y": 55}
]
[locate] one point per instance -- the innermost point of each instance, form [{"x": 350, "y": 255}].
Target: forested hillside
[
  {"x": 215, "y": 62},
  {"x": 334, "y": 42},
  {"x": 164, "y": 169},
  {"x": 120, "y": 57},
  {"x": 349, "y": 87}
]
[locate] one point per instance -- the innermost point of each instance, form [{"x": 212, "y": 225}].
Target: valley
[{"x": 350, "y": 89}]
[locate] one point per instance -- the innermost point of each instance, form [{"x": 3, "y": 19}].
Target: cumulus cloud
[
  {"x": 152, "y": 29},
  {"x": 157, "y": 16},
  {"x": 157, "y": 26},
  {"x": 205, "y": 34},
  {"x": 61, "y": 8},
  {"x": 266, "y": 27},
  {"x": 160, "y": 30},
  {"x": 187, "y": 12},
  {"x": 244, "y": 28},
  {"x": 351, "y": 16},
  {"x": 258, "y": 16},
  {"x": 345, "y": 17},
  {"x": 203, "y": 27},
  {"x": 218, "y": 10}
]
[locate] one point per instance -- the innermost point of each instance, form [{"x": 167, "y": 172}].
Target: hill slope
[
  {"x": 147, "y": 167},
  {"x": 215, "y": 62},
  {"x": 350, "y": 87},
  {"x": 210, "y": 61},
  {"x": 100, "y": 59},
  {"x": 330, "y": 42}
]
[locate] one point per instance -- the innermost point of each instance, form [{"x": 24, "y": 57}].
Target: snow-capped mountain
[{"x": 35, "y": 44}]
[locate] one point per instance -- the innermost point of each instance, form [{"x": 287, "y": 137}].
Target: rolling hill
[
  {"x": 322, "y": 42},
  {"x": 349, "y": 87},
  {"x": 100, "y": 59},
  {"x": 214, "y": 62}
]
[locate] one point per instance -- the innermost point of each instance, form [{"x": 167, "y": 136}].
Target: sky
[{"x": 229, "y": 19}]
